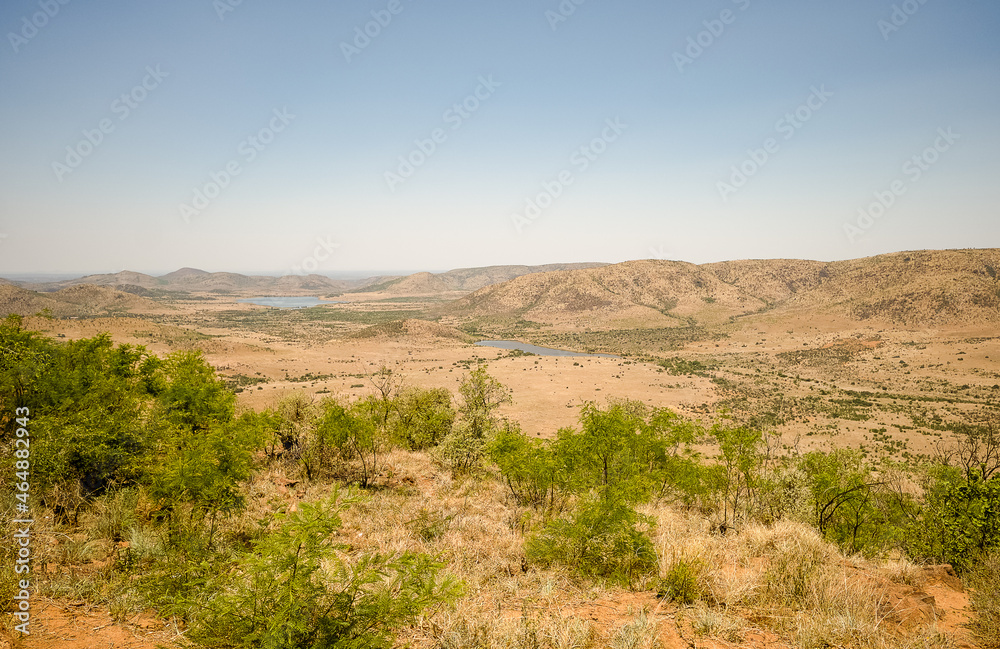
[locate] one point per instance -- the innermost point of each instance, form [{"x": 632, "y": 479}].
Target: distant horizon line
[{"x": 363, "y": 274}]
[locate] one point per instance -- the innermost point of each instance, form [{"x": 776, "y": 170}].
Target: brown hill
[
  {"x": 952, "y": 287},
  {"x": 454, "y": 283},
  {"x": 194, "y": 280},
  {"x": 922, "y": 288},
  {"x": 411, "y": 328},
  {"x": 472, "y": 279},
  {"x": 633, "y": 293},
  {"x": 82, "y": 300}
]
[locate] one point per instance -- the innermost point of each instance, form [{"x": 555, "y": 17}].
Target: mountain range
[{"x": 919, "y": 288}]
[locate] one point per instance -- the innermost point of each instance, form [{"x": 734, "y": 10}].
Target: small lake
[
  {"x": 535, "y": 349},
  {"x": 287, "y": 302}
]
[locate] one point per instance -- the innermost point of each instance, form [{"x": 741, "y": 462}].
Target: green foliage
[
  {"x": 481, "y": 395},
  {"x": 24, "y": 359},
  {"x": 348, "y": 440},
  {"x": 680, "y": 367},
  {"x": 740, "y": 476},
  {"x": 842, "y": 493},
  {"x": 617, "y": 451},
  {"x": 530, "y": 468},
  {"x": 90, "y": 405},
  {"x": 422, "y": 417},
  {"x": 204, "y": 469},
  {"x": 683, "y": 581},
  {"x": 296, "y": 415},
  {"x": 294, "y": 590},
  {"x": 602, "y": 538},
  {"x": 194, "y": 398},
  {"x": 960, "y": 519}
]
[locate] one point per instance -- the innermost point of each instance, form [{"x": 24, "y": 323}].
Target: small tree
[
  {"x": 422, "y": 417},
  {"x": 353, "y": 435},
  {"x": 530, "y": 469},
  {"x": 464, "y": 447}
]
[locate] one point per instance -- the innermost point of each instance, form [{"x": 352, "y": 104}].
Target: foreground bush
[
  {"x": 602, "y": 538},
  {"x": 293, "y": 589}
]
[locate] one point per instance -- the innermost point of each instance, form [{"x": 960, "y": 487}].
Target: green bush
[
  {"x": 683, "y": 581},
  {"x": 960, "y": 519},
  {"x": 422, "y": 417},
  {"x": 464, "y": 447},
  {"x": 620, "y": 449},
  {"x": 602, "y": 538},
  {"x": 294, "y": 590},
  {"x": 350, "y": 436},
  {"x": 530, "y": 469},
  {"x": 203, "y": 471}
]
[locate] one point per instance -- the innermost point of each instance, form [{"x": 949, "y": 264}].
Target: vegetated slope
[
  {"x": 194, "y": 280},
  {"x": 952, "y": 287},
  {"x": 462, "y": 280},
  {"x": 190, "y": 279},
  {"x": 450, "y": 284},
  {"x": 472, "y": 279},
  {"x": 922, "y": 288},
  {"x": 411, "y": 328},
  {"x": 772, "y": 280},
  {"x": 649, "y": 292},
  {"x": 83, "y": 300}
]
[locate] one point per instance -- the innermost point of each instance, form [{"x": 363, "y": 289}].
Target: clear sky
[{"x": 248, "y": 135}]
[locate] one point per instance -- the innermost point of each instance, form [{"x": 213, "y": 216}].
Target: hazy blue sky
[{"x": 699, "y": 131}]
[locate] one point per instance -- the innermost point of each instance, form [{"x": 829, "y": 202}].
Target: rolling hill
[
  {"x": 82, "y": 300},
  {"x": 924, "y": 288}
]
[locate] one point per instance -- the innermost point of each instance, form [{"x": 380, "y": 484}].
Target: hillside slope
[{"x": 926, "y": 288}]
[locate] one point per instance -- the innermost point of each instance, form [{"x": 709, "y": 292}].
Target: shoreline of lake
[{"x": 539, "y": 351}]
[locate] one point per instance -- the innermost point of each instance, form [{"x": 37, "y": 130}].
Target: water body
[
  {"x": 535, "y": 349},
  {"x": 287, "y": 302}
]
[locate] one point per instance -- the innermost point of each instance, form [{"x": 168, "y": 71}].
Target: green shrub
[
  {"x": 683, "y": 581},
  {"x": 422, "y": 417},
  {"x": 352, "y": 436},
  {"x": 464, "y": 447},
  {"x": 530, "y": 469},
  {"x": 602, "y": 538},
  {"x": 960, "y": 519},
  {"x": 294, "y": 590},
  {"x": 619, "y": 449}
]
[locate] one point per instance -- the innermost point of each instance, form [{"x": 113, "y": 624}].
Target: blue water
[
  {"x": 535, "y": 349},
  {"x": 287, "y": 302}
]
